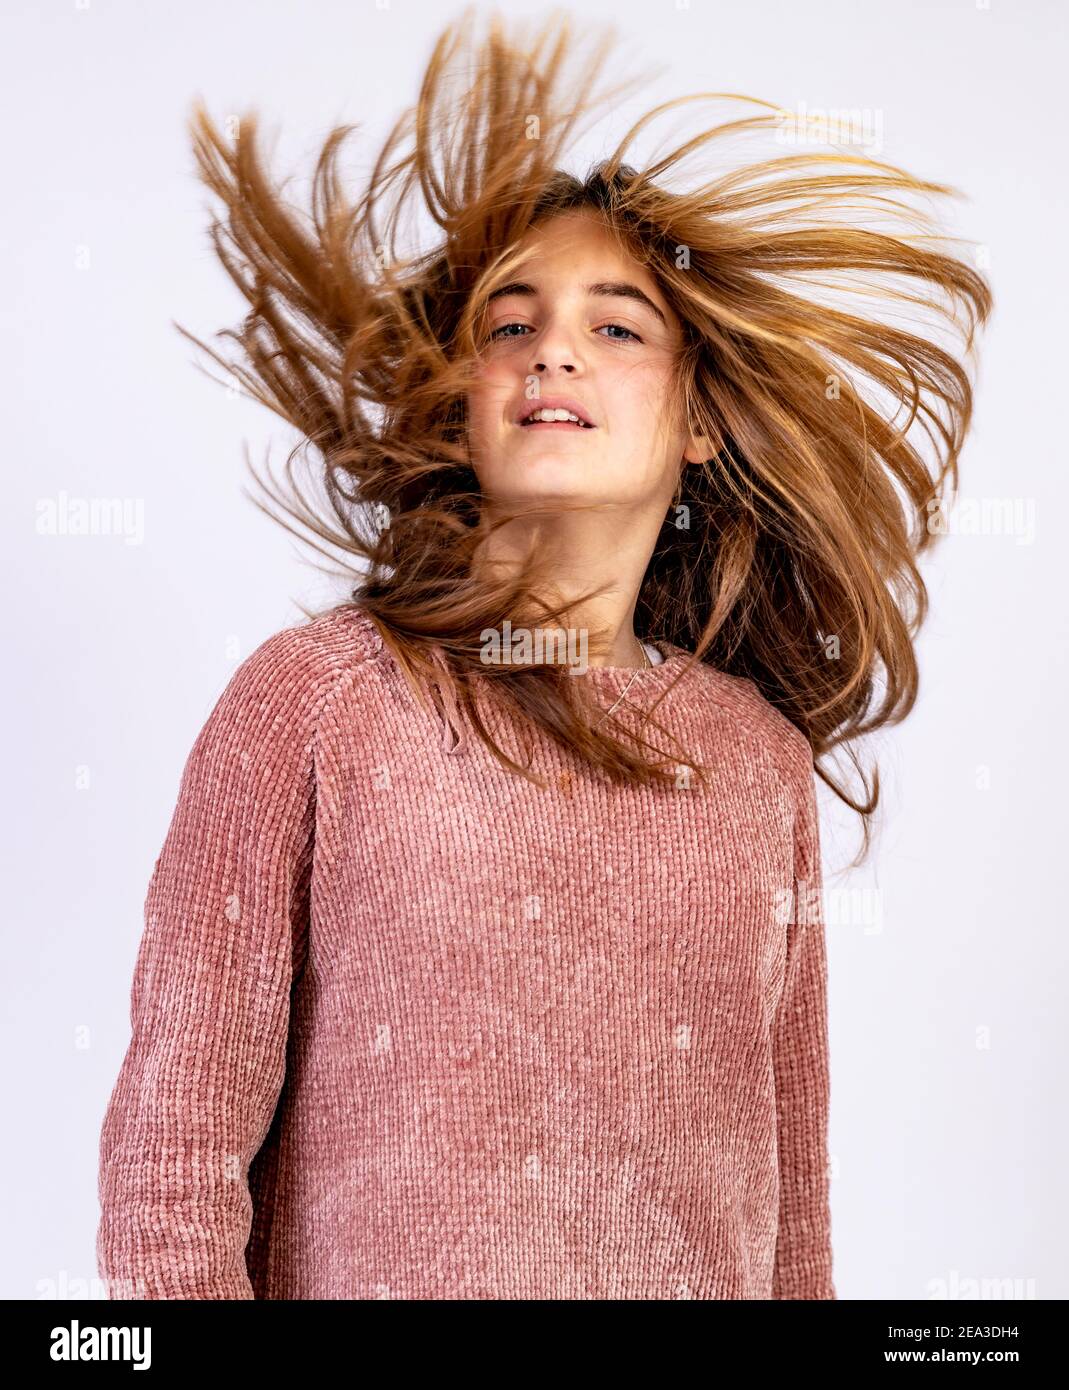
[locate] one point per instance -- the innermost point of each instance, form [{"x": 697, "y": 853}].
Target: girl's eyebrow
[{"x": 621, "y": 288}]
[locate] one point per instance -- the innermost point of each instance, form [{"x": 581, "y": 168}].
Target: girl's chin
[
  {"x": 532, "y": 475},
  {"x": 547, "y": 489}
]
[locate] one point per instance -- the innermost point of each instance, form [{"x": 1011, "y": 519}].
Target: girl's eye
[
  {"x": 502, "y": 331},
  {"x": 622, "y": 329}
]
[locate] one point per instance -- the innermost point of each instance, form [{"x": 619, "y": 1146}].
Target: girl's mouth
[{"x": 554, "y": 425}]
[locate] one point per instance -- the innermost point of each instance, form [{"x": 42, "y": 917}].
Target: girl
[{"x": 485, "y": 956}]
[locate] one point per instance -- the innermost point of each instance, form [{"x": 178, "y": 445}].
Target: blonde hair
[{"x": 798, "y": 570}]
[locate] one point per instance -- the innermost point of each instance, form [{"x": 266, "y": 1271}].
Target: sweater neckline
[{"x": 662, "y": 674}]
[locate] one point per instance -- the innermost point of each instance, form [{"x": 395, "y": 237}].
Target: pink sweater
[{"x": 407, "y": 1026}]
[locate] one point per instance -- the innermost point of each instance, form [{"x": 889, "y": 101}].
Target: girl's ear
[{"x": 699, "y": 448}]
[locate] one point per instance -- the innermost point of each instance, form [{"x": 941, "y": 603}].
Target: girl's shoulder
[
  {"x": 276, "y": 696},
  {"x": 344, "y": 631},
  {"x": 755, "y": 717},
  {"x": 318, "y": 649}
]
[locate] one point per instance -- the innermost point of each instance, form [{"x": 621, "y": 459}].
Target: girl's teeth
[{"x": 548, "y": 415}]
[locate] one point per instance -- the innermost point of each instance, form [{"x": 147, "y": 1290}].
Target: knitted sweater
[{"x": 405, "y": 1025}]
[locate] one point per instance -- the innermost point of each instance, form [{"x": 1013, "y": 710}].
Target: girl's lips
[{"x": 557, "y": 425}]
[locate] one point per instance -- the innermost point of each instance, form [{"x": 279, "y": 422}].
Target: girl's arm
[
  {"x": 223, "y": 939},
  {"x": 803, "y": 1265}
]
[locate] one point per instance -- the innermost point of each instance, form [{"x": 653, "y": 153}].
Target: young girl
[{"x": 485, "y": 956}]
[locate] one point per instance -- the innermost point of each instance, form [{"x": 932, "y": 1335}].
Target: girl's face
[{"x": 587, "y": 322}]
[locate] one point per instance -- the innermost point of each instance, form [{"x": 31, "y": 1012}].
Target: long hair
[{"x": 790, "y": 555}]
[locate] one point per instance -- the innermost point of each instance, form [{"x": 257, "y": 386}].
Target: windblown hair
[{"x": 798, "y": 568}]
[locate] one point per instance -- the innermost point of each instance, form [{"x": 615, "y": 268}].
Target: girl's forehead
[
  {"x": 577, "y": 253},
  {"x": 576, "y": 234}
]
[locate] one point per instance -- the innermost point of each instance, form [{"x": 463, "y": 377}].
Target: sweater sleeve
[
  {"x": 803, "y": 1263},
  {"x": 209, "y": 1005}
]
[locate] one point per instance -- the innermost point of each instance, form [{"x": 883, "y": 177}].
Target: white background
[{"x": 948, "y": 1127}]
